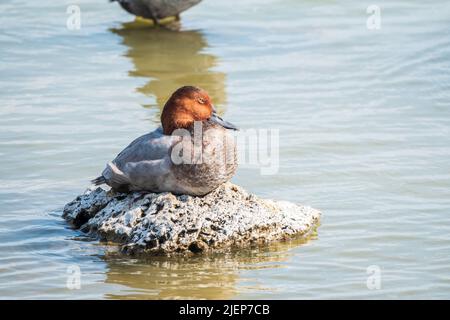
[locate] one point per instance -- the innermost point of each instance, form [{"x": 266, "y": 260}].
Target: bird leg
[{"x": 153, "y": 17}]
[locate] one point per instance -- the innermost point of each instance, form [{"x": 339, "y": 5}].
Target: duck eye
[{"x": 201, "y": 100}]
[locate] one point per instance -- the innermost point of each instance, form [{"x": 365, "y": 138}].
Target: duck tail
[{"x": 99, "y": 180}]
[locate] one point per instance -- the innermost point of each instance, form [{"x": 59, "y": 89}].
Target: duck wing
[
  {"x": 141, "y": 162},
  {"x": 151, "y": 146}
]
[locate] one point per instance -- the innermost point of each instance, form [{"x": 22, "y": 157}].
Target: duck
[
  {"x": 156, "y": 10},
  {"x": 192, "y": 152}
]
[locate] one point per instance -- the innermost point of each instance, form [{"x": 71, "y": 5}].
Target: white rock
[{"x": 162, "y": 223}]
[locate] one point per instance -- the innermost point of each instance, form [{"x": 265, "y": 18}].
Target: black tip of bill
[{"x": 227, "y": 125}]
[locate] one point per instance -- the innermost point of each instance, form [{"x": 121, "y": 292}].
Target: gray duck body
[{"x": 176, "y": 163}]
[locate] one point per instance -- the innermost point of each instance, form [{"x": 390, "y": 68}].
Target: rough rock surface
[{"x": 163, "y": 223}]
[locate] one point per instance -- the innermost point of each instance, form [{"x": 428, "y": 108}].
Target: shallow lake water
[{"x": 364, "y": 123}]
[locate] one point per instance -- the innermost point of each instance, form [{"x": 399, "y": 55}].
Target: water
[{"x": 364, "y": 136}]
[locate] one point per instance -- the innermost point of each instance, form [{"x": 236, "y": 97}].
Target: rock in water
[{"x": 163, "y": 223}]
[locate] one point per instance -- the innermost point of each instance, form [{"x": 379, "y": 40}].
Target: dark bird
[{"x": 156, "y": 9}]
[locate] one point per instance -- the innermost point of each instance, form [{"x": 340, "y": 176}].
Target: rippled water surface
[{"x": 364, "y": 136}]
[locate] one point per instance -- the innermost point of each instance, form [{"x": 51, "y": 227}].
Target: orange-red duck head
[{"x": 187, "y": 105}]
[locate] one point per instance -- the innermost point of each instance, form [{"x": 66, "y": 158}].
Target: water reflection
[
  {"x": 170, "y": 59},
  {"x": 198, "y": 277}
]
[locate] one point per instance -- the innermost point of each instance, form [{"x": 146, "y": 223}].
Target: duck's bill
[{"x": 216, "y": 119}]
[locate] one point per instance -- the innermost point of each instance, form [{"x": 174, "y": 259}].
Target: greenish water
[{"x": 364, "y": 136}]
